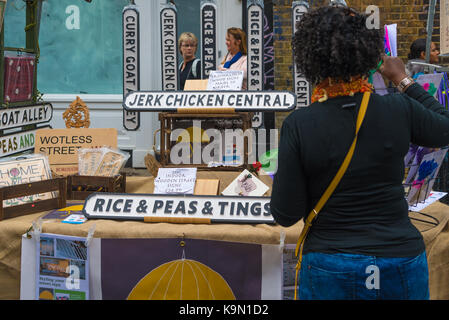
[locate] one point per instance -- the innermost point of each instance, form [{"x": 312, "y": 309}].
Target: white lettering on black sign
[
  {"x": 238, "y": 100},
  {"x": 208, "y": 39},
  {"x": 21, "y": 116},
  {"x": 131, "y": 62},
  {"x": 169, "y": 49},
  {"x": 215, "y": 208},
  {"x": 255, "y": 53},
  {"x": 301, "y": 85}
]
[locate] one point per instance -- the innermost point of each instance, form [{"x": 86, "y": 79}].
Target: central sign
[
  {"x": 178, "y": 209},
  {"x": 239, "y": 101}
]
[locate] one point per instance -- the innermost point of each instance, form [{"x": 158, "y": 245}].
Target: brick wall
[{"x": 410, "y": 16}]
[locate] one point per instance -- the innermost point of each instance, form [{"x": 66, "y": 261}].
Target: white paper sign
[
  {"x": 430, "y": 82},
  {"x": 175, "y": 181},
  {"x": 225, "y": 80},
  {"x": 246, "y": 184}
]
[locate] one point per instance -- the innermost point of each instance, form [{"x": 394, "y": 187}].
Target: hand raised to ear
[{"x": 393, "y": 69}]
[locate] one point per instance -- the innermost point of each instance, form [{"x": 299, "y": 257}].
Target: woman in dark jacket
[{"x": 362, "y": 245}]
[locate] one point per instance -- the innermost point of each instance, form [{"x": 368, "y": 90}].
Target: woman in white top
[{"x": 235, "y": 59}]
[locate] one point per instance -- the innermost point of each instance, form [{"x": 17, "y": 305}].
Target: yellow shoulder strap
[{"x": 330, "y": 189}]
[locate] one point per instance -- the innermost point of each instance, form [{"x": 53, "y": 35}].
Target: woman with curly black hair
[{"x": 360, "y": 243}]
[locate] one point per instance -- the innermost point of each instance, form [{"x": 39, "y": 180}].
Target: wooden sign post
[
  {"x": 301, "y": 85},
  {"x": 131, "y": 62}
]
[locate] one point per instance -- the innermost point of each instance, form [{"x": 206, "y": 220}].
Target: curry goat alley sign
[
  {"x": 210, "y": 101},
  {"x": 178, "y": 208}
]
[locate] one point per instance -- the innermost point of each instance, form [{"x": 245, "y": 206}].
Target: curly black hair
[{"x": 335, "y": 42}]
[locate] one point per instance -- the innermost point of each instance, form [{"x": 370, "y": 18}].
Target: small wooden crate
[
  {"x": 33, "y": 188},
  {"x": 169, "y": 122},
  {"x": 80, "y": 187}
]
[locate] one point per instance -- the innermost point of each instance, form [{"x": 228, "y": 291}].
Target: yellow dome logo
[
  {"x": 182, "y": 279},
  {"x": 46, "y": 295}
]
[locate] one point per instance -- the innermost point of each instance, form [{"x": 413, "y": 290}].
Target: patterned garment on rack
[{"x": 19, "y": 75}]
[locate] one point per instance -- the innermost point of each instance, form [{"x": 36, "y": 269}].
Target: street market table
[{"x": 436, "y": 238}]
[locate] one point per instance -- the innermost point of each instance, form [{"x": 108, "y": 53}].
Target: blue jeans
[{"x": 344, "y": 276}]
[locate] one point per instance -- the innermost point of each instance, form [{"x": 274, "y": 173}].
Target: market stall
[{"x": 434, "y": 228}]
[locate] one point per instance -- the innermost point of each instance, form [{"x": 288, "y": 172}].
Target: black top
[
  {"x": 188, "y": 74},
  {"x": 367, "y": 213}
]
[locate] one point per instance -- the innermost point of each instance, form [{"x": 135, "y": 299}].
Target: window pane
[
  {"x": 81, "y": 47},
  {"x": 15, "y": 19},
  {"x": 189, "y": 20}
]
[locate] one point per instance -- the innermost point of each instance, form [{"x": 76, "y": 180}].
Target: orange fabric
[{"x": 329, "y": 88}]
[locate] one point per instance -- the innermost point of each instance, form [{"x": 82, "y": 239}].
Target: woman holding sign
[
  {"x": 236, "y": 57},
  {"x": 341, "y": 164},
  {"x": 190, "y": 67}
]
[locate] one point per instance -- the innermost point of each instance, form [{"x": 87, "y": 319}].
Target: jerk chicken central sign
[{"x": 237, "y": 100}]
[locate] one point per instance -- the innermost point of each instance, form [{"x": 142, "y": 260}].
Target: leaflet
[{"x": 62, "y": 268}]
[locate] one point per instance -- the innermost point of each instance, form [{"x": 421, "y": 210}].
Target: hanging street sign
[
  {"x": 255, "y": 57},
  {"x": 169, "y": 48},
  {"x": 208, "y": 38},
  {"x": 131, "y": 62},
  {"x": 301, "y": 85}
]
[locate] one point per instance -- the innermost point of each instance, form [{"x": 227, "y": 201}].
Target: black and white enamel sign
[
  {"x": 22, "y": 116},
  {"x": 208, "y": 38},
  {"x": 255, "y": 52},
  {"x": 17, "y": 142},
  {"x": 169, "y": 48},
  {"x": 131, "y": 62},
  {"x": 240, "y": 101},
  {"x": 301, "y": 85},
  {"x": 159, "y": 207}
]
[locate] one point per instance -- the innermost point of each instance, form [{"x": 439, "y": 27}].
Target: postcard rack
[
  {"x": 421, "y": 194},
  {"x": 57, "y": 185},
  {"x": 170, "y": 121},
  {"x": 80, "y": 187}
]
